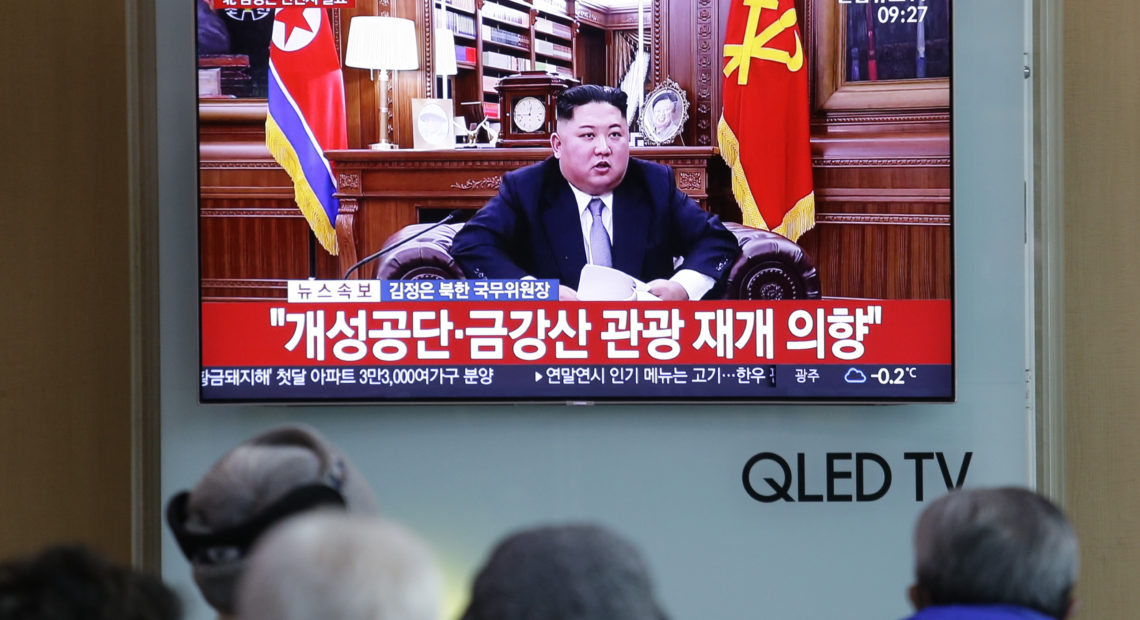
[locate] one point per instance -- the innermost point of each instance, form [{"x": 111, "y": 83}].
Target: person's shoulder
[
  {"x": 533, "y": 173},
  {"x": 652, "y": 171},
  {"x": 648, "y": 165}
]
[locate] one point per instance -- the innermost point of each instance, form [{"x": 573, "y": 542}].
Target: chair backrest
[
  {"x": 428, "y": 257},
  {"x": 770, "y": 267}
]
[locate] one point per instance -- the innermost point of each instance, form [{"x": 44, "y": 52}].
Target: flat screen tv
[{"x": 336, "y": 168}]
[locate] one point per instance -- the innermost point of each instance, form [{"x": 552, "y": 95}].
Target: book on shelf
[
  {"x": 496, "y": 35},
  {"x": 553, "y": 49},
  {"x": 457, "y": 22},
  {"x": 491, "y": 110},
  {"x": 489, "y": 83},
  {"x": 553, "y": 68},
  {"x": 465, "y": 53},
  {"x": 466, "y": 5},
  {"x": 554, "y": 28},
  {"x": 556, "y": 6},
  {"x": 505, "y": 62},
  {"x": 504, "y": 14}
]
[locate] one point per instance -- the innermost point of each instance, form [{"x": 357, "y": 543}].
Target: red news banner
[{"x": 281, "y": 334}]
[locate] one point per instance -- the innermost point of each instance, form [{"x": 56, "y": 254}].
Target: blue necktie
[{"x": 599, "y": 240}]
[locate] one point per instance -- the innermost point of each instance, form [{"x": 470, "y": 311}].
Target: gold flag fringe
[
  {"x": 306, "y": 199},
  {"x": 797, "y": 221}
]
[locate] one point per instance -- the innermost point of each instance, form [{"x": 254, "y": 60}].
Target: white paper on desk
[{"x": 597, "y": 283}]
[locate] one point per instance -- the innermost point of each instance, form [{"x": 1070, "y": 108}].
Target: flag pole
[
  {"x": 312, "y": 254},
  {"x": 872, "y": 63},
  {"x": 640, "y": 47}
]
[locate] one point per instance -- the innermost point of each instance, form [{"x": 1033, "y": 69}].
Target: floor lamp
[{"x": 383, "y": 44}]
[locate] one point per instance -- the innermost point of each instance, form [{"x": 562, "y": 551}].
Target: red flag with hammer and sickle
[{"x": 763, "y": 131}]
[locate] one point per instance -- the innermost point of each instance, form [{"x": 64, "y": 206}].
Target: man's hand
[
  {"x": 668, "y": 290},
  {"x": 565, "y": 293}
]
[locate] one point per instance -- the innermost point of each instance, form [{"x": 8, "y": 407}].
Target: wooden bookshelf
[{"x": 497, "y": 38}]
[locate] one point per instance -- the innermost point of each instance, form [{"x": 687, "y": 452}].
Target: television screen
[{"x": 430, "y": 207}]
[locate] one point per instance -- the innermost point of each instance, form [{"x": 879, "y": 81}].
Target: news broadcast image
[{"x": 340, "y": 263}]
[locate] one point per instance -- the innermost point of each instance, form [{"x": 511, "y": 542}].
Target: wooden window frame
[{"x": 833, "y": 94}]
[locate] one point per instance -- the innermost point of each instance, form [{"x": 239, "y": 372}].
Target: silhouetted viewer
[
  {"x": 569, "y": 572},
  {"x": 73, "y": 583},
  {"x": 993, "y": 554},
  {"x": 277, "y": 474}
]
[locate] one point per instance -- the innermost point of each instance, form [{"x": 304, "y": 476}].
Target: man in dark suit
[{"x": 591, "y": 203}]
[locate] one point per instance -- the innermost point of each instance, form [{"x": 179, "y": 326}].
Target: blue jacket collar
[{"x": 978, "y": 612}]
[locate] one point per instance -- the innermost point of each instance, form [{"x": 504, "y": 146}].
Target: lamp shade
[
  {"x": 382, "y": 43},
  {"x": 445, "y": 52}
]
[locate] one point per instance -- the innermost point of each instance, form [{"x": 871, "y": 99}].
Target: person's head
[
  {"x": 337, "y": 566},
  {"x": 72, "y": 583},
  {"x": 569, "y": 572},
  {"x": 284, "y": 471},
  {"x": 663, "y": 112},
  {"x": 592, "y": 138},
  {"x": 995, "y": 546}
]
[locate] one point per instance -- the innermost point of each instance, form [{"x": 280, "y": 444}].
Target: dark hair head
[
  {"x": 996, "y": 546},
  {"x": 568, "y": 572},
  {"x": 571, "y": 98},
  {"x": 72, "y": 583}
]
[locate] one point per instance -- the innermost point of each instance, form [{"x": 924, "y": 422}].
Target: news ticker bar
[{"x": 586, "y": 382}]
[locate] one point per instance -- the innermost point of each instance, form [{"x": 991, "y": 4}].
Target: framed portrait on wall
[{"x": 664, "y": 114}]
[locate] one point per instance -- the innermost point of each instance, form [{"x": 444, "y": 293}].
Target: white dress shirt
[{"x": 695, "y": 283}]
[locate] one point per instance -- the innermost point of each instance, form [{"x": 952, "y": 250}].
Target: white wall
[{"x": 668, "y": 477}]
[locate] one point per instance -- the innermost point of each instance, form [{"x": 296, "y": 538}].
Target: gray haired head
[
  {"x": 283, "y": 471},
  {"x": 995, "y": 546},
  {"x": 338, "y": 566},
  {"x": 567, "y": 572}
]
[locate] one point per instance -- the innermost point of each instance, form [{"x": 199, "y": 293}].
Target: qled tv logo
[{"x": 847, "y": 476}]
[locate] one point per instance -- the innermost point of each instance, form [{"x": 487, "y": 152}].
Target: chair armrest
[
  {"x": 427, "y": 257},
  {"x": 770, "y": 267}
]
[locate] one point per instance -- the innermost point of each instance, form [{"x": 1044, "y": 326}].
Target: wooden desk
[{"x": 380, "y": 192}]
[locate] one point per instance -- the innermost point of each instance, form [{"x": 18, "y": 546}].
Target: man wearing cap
[
  {"x": 284, "y": 471},
  {"x": 591, "y": 204}
]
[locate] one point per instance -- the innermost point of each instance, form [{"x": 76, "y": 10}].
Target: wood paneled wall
[
  {"x": 65, "y": 268},
  {"x": 883, "y": 221},
  {"x": 1102, "y": 291},
  {"x": 253, "y": 236}
]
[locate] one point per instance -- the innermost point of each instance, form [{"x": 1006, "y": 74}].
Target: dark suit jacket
[{"x": 532, "y": 227}]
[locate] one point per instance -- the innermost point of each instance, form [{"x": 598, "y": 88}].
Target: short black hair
[
  {"x": 70, "y": 582},
  {"x": 589, "y": 93}
]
